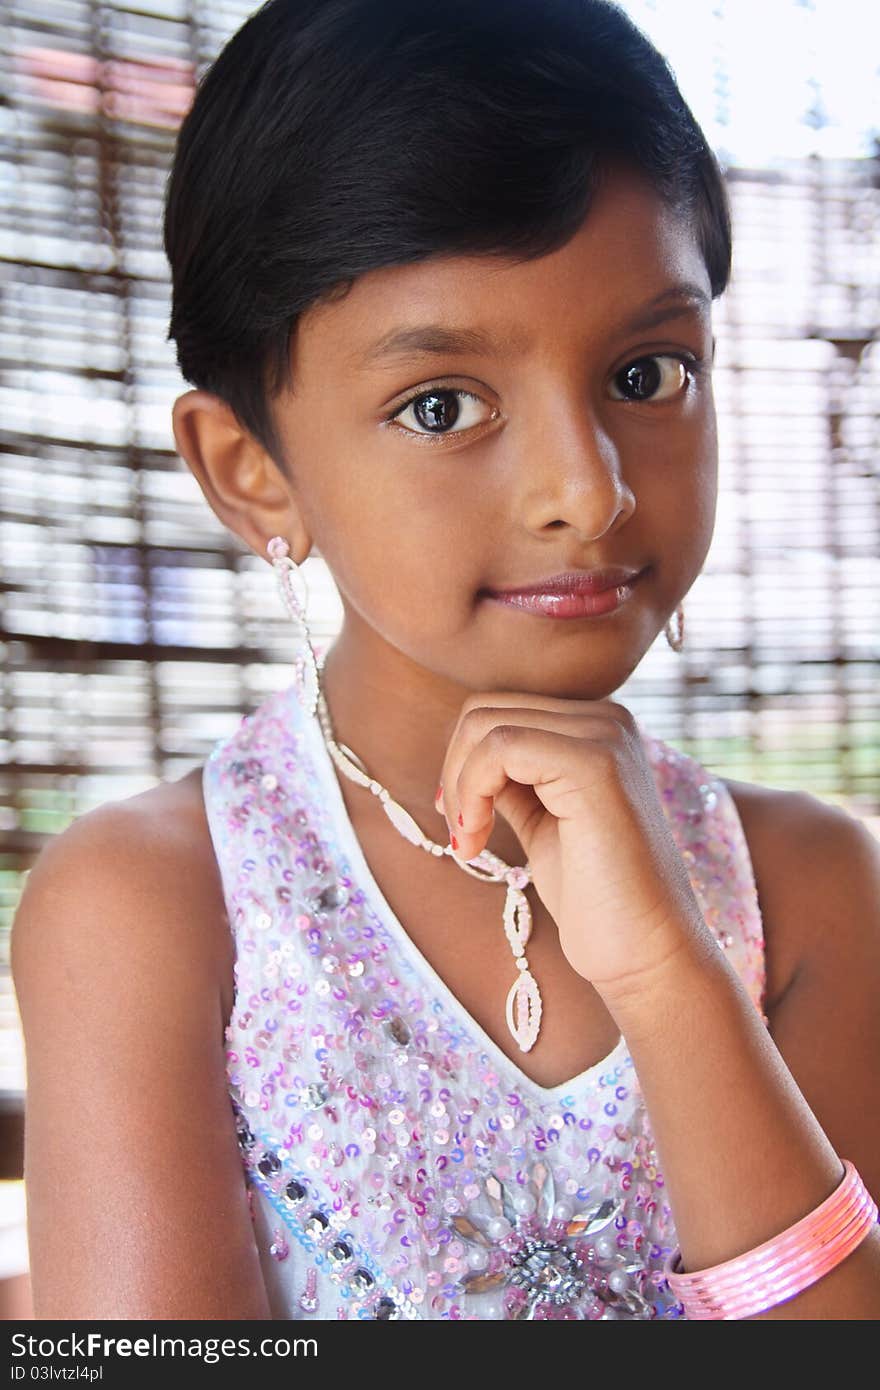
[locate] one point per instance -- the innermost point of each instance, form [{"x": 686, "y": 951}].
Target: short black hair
[{"x": 333, "y": 137}]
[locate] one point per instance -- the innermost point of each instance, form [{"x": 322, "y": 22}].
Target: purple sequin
[{"x": 398, "y": 1164}]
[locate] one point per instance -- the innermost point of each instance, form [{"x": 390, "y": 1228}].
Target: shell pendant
[
  {"x": 517, "y": 919},
  {"x": 403, "y": 822},
  {"x": 524, "y": 1010}
]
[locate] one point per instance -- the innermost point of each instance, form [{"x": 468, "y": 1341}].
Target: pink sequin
[{"x": 398, "y": 1164}]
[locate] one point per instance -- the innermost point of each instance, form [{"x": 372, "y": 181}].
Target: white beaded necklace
[{"x": 523, "y": 1010}]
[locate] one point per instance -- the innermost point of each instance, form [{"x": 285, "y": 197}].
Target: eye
[
  {"x": 656, "y": 377},
  {"x": 436, "y": 410}
]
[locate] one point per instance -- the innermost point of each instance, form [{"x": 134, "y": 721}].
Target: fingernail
[
  {"x": 438, "y": 794},
  {"x": 454, "y": 842},
  {"x": 460, "y": 819}
]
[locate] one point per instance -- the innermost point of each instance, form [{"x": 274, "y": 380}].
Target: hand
[{"x": 572, "y": 779}]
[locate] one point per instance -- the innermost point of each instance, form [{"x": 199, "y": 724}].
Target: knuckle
[
  {"x": 481, "y": 715},
  {"x": 502, "y": 735}
]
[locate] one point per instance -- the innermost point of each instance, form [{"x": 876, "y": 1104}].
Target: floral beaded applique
[
  {"x": 550, "y": 1259},
  {"x": 398, "y": 1163}
]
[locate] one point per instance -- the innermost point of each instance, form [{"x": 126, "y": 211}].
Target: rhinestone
[
  {"x": 294, "y": 1191},
  {"x": 340, "y": 1252},
  {"x": 635, "y": 1305},
  {"x": 362, "y": 1280},
  {"x": 270, "y": 1163},
  {"x": 386, "y": 1309},
  {"x": 317, "y": 1223},
  {"x": 315, "y": 1096},
  {"x": 548, "y": 1272},
  {"x": 399, "y": 1031},
  {"x": 331, "y": 897}
]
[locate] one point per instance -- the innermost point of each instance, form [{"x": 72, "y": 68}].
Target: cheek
[
  {"x": 402, "y": 558},
  {"x": 676, "y": 489},
  {"x": 706, "y": 480}
]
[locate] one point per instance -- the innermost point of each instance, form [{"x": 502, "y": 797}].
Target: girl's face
[{"x": 425, "y": 477}]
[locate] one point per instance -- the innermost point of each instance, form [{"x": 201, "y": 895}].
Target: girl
[{"x": 583, "y": 1031}]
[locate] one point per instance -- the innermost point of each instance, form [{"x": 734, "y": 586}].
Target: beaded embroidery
[{"x": 398, "y": 1163}]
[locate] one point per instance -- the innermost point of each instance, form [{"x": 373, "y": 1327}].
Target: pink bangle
[{"x": 780, "y": 1268}]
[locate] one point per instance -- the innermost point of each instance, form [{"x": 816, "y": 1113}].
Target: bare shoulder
[
  {"x": 817, "y": 868},
  {"x": 160, "y": 839},
  {"x": 796, "y": 842},
  {"x": 117, "y": 966},
  {"x": 175, "y": 812}
]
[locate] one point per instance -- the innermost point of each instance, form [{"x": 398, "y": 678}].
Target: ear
[{"x": 243, "y": 485}]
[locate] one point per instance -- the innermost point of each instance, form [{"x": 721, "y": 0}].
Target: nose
[{"x": 574, "y": 477}]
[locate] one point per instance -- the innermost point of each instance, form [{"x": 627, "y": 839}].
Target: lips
[
  {"x": 579, "y": 594},
  {"x": 573, "y": 582}
]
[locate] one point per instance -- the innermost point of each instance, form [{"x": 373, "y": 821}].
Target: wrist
[{"x": 689, "y": 973}]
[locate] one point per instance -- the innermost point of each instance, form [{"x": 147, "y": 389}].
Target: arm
[
  {"x": 136, "y": 1199},
  {"x": 751, "y": 1128}
]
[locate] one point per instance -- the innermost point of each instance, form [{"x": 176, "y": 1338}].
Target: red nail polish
[
  {"x": 454, "y": 842},
  {"x": 460, "y": 821}
]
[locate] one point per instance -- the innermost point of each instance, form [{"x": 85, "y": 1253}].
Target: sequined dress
[{"x": 398, "y": 1163}]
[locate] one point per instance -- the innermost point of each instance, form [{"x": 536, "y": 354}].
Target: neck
[{"x": 398, "y": 719}]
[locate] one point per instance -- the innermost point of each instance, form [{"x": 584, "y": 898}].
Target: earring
[
  {"x": 295, "y": 596},
  {"x": 675, "y": 636}
]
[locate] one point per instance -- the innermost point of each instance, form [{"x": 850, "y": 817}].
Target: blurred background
[{"x": 135, "y": 631}]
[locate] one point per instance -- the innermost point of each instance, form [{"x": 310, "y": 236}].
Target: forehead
[{"x": 630, "y": 250}]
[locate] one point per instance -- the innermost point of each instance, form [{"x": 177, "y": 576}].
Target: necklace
[{"x": 523, "y": 1011}]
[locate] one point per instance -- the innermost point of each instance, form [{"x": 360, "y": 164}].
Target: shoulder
[
  {"x": 115, "y": 962},
  {"x": 817, "y": 869},
  {"x": 152, "y": 852},
  {"x": 801, "y": 848}
]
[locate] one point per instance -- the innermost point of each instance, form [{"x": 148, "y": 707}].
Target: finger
[
  {"x": 474, "y": 722},
  {"x": 501, "y": 703},
  {"x": 545, "y": 765},
  {"x": 478, "y": 720}
]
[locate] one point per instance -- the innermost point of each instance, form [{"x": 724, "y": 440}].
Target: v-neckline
[{"x": 565, "y": 1092}]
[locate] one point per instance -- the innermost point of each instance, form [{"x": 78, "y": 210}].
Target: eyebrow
[{"x": 435, "y": 339}]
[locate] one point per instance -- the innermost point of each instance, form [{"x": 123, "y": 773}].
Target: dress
[{"x": 398, "y": 1163}]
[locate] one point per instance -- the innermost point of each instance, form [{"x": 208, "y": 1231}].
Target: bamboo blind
[{"x": 134, "y": 631}]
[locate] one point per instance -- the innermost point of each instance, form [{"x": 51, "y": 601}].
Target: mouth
[{"x": 574, "y": 595}]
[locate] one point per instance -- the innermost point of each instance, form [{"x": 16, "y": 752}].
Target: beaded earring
[{"x": 295, "y": 596}]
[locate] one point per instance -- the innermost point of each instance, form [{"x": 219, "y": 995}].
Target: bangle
[{"x": 780, "y": 1268}]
